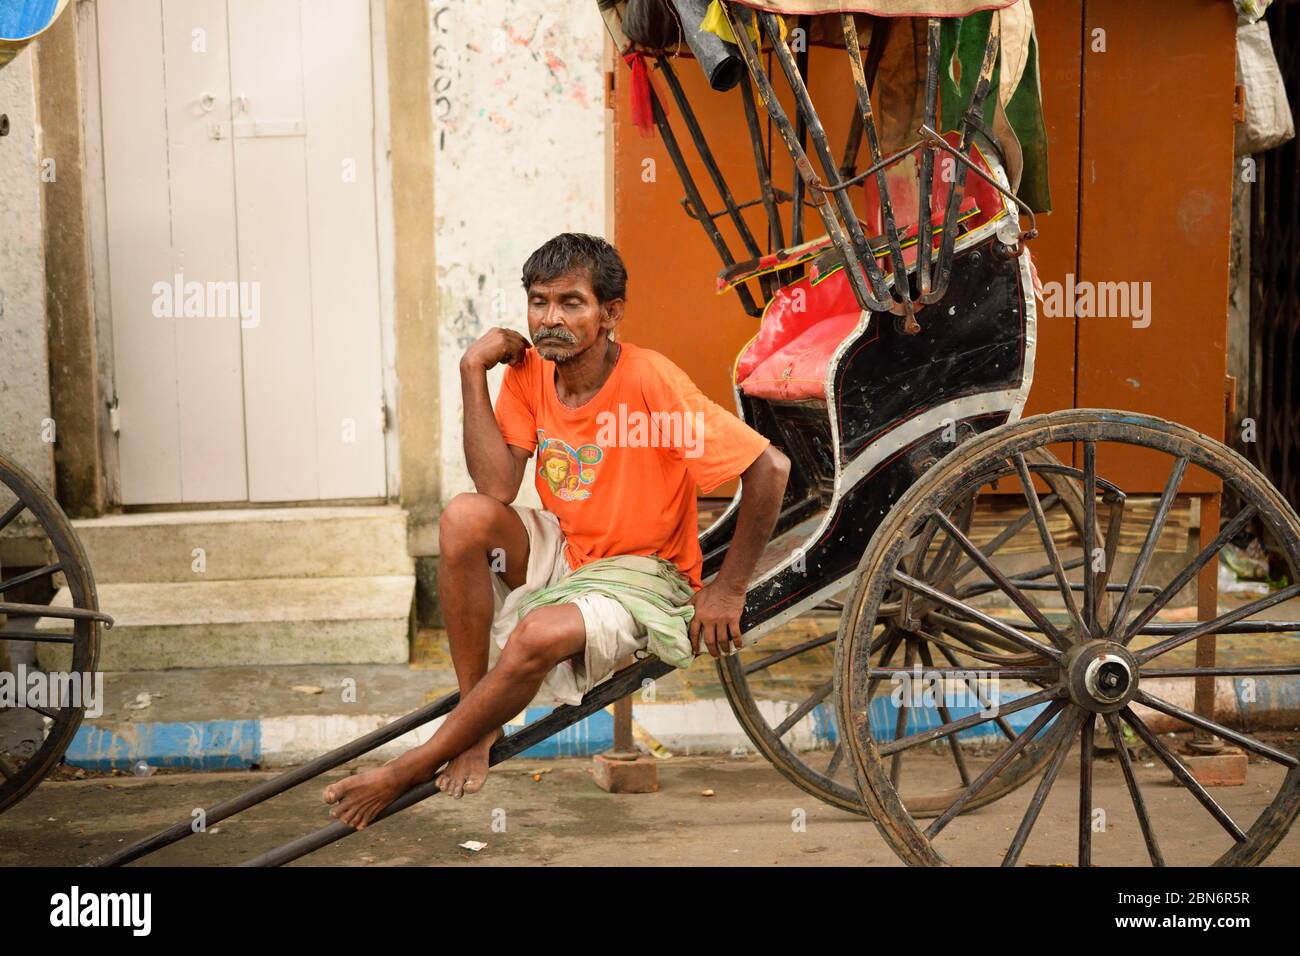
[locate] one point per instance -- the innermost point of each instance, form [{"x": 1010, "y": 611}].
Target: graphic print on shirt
[{"x": 567, "y": 471}]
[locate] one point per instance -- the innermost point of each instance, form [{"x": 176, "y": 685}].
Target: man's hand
[
  {"x": 717, "y": 619},
  {"x": 494, "y": 347}
]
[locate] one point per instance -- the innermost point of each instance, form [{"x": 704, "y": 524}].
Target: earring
[{"x": 610, "y": 335}]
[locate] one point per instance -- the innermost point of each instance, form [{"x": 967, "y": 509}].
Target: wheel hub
[{"x": 1102, "y": 676}]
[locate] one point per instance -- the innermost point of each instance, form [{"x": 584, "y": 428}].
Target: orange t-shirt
[{"x": 620, "y": 471}]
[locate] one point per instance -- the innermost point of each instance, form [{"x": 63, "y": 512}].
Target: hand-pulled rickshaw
[{"x": 892, "y": 359}]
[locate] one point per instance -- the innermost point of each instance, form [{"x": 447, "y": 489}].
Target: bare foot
[
  {"x": 468, "y": 772},
  {"x": 358, "y": 800}
]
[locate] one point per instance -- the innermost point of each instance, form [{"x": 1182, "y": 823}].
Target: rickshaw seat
[
  {"x": 802, "y": 326},
  {"x": 806, "y": 320}
]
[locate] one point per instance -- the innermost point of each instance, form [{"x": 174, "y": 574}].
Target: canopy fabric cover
[{"x": 881, "y": 8}]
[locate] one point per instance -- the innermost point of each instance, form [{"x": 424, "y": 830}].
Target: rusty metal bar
[
  {"x": 776, "y": 112},
  {"x": 48, "y": 610},
  {"x": 620, "y": 685},
  {"x": 697, "y": 201},
  {"x": 775, "y": 232},
  {"x": 283, "y": 782},
  {"x": 924, "y": 235},
  {"x": 901, "y": 289},
  {"x": 706, "y": 155},
  {"x": 943, "y": 265},
  {"x": 798, "y": 186},
  {"x": 880, "y": 297}
]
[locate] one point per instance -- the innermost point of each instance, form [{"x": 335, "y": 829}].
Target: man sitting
[{"x": 612, "y": 564}]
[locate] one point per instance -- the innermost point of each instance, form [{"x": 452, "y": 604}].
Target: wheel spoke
[
  {"x": 14, "y": 511},
  {"x": 928, "y": 662},
  {"x": 885, "y": 658},
  {"x": 1114, "y": 524},
  {"x": 1177, "y": 584},
  {"x": 1214, "y": 626},
  {"x": 966, "y": 514},
  {"x": 1089, "y": 540},
  {"x": 1246, "y": 670},
  {"x": 1196, "y": 720},
  {"x": 959, "y": 672},
  {"x": 979, "y": 695},
  {"x": 1029, "y": 700},
  {"x": 1040, "y": 794},
  {"x": 1049, "y": 546},
  {"x": 1139, "y": 804},
  {"x": 1182, "y": 774},
  {"x": 980, "y": 642},
  {"x": 992, "y": 623},
  {"x": 798, "y": 714},
  {"x": 1085, "y": 790},
  {"x": 1003, "y": 582},
  {"x": 836, "y": 758},
  {"x": 820, "y": 641},
  {"x": 1149, "y": 545},
  {"x": 900, "y": 724},
  {"x": 1022, "y": 581},
  {"x": 38, "y": 637},
  {"x": 1005, "y": 535},
  {"x": 29, "y": 576},
  {"x": 1018, "y": 744}
]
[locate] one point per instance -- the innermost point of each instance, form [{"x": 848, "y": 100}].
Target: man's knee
[
  {"x": 467, "y": 521},
  {"x": 540, "y": 641}
]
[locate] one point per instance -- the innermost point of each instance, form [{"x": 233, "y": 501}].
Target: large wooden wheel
[
  {"x": 1080, "y": 646},
  {"x": 763, "y": 675},
  {"x": 37, "y": 527}
]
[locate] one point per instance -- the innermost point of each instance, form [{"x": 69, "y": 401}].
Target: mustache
[{"x": 560, "y": 335}]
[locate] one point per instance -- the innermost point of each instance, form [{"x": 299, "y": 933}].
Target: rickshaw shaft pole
[
  {"x": 285, "y": 781},
  {"x": 617, "y": 687}
]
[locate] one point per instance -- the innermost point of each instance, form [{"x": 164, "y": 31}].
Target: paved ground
[{"x": 754, "y": 818}]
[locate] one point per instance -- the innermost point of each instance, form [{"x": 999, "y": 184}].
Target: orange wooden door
[{"x": 1141, "y": 159}]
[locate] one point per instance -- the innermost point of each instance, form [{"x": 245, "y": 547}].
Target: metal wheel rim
[{"x": 895, "y": 824}]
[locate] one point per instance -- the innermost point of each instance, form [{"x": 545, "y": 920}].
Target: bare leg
[
  {"x": 543, "y": 638},
  {"x": 478, "y": 535}
]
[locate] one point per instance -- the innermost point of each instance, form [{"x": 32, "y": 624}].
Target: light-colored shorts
[{"x": 612, "y": 633}]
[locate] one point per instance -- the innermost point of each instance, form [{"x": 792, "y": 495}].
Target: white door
[{"x": 242, "y": 249}]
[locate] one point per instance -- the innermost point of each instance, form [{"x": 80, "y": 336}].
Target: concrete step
[
  {"x": 246, "y": 543},
  {"x": 314, "y": 620}
]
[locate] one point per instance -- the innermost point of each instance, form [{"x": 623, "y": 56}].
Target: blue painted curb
[
  {"x": 240, "y": 744},
  {"x": 201, "y": 745}
]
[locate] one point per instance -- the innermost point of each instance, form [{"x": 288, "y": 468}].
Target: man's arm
[
  {"x": 495, "y": 467},
  {"x": 718, "y": 605}
]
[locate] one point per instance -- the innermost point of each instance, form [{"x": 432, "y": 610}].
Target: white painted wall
[
  {"x": 24, "y": 366},
  {"x": 519, "y": 134}
]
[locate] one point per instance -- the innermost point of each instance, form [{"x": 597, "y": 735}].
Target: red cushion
[
  {"x": 798, "y": 369},
  {"x": 904, "y": 181},
  {"x": 805, "y": 321},
  {"x": 793, "y": 310}
]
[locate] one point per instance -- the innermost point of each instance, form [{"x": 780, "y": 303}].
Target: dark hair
[{"x": 576, "y": 250}]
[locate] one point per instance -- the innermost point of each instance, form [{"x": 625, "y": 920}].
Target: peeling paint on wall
[
  {"x": 519, "y": 135},
  {"x": 24, "y": 365}
]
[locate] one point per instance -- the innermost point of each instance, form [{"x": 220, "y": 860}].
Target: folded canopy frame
[{"x": 827, "y": 190}]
